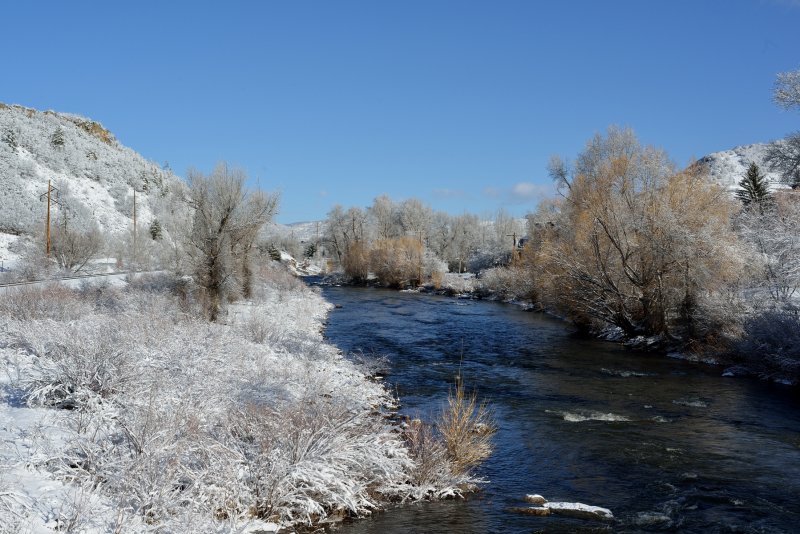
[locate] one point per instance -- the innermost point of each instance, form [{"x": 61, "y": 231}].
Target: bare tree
[
  {"x": 336, "y": 237},
  {"x": 72, "y": 249},
  {"x": 226, "y": 221},
  {"x": 344, "y": 228}
]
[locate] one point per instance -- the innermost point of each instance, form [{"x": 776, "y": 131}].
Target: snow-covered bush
[
  {"x": 508, "y": 283},
  {"x": 458, "y": 284},
  {"x": 432, "y": 471},
  {"x": 313, "y": 456},
  {"x": 74, "y": 364},
  {"x": 175, "y": 423},
  {"x": 53, "y": 302}
]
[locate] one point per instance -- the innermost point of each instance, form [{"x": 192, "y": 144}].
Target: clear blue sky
[{"x": 458, "y": 103}]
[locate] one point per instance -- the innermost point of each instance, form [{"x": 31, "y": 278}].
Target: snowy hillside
[
  {"x": 301, "y": 232},
  {"x": 94, "y": 173},
  {"x": 728, "y": 167}
]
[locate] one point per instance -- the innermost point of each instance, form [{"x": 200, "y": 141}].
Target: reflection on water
[{"x": 666, "y": 445}]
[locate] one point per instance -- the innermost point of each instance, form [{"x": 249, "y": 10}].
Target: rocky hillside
[{"x": 94, "y": 173}]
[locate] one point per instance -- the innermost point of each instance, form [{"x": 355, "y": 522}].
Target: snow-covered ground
[
  {"x": 122, "y": 411},
  {"x": 7, "y": 257}
]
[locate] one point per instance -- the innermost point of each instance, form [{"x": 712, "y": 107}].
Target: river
[{"x": 667, "y": 445}]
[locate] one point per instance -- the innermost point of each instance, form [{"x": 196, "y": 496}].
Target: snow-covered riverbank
[{"x": 122, "y": 411}]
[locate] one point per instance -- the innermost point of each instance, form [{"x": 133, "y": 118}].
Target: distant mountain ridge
[{"x": 95, "y": 174}]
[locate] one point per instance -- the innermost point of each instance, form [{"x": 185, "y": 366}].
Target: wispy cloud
[
  {"x": 445, "y": 193},
  {"x": 524, "y": 192},
  {"x": 492, "y": 192},
  {"x": 520, "y": 193}
]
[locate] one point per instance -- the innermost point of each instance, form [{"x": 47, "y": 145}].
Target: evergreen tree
[
  {"x": 57, "y": 139},
  {"x": 155, "y": 230},
  {"x": 310, "y": 250},
  {"x": 754, "y": 188},
  {"x": 274, "y": 253}
]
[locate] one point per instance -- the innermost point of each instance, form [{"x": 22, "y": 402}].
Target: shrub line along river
[{"x": 667, "y": 445}]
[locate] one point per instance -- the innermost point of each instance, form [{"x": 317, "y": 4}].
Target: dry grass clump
[
  {"x": 447, "y": 452},
  {"x": 466, "y": 426}
]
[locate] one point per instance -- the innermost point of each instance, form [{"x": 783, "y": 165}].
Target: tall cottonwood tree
[
  {"x": 636, "y": 242},
  {"x": 226, "y": 220}
]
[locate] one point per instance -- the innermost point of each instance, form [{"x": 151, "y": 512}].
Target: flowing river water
[{"x": 667, "y": 445}]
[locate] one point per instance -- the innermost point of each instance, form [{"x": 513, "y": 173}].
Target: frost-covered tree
[
  {"x": 466, "y": 237},
  {"x": 414, "y": 217},
  {"x": 787, "y": 89},
  {"x": 227, "y": 218},
  {"x": 385, "y": 217},
  {"x": 784, "y": 157},
  {"x": 440, "y": 235},
  {"x": 344, "y": 228},
  {"x": 753, "y": 188},
  {"x": 775, "y": 236}
]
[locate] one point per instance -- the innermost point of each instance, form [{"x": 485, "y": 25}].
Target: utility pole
[
  {"x": 47, "y": 231},
  {"x": 50, "y": 200},
  {"x": 134, "y": 228}
]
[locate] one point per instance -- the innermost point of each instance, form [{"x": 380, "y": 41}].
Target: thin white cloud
[
  {"x": 527, "y": 192},
  {"x": 491, "y": 192},
  {"x": 445, "y": 193},
  {"x": 520, "y": 193}
]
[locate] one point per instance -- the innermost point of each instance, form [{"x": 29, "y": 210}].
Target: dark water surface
[{"x": 667, "y": 445}]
